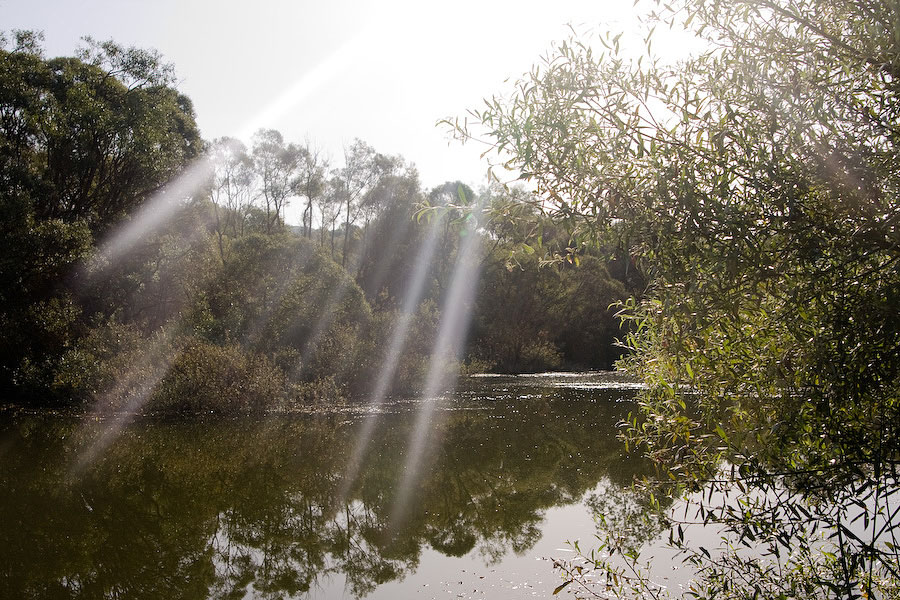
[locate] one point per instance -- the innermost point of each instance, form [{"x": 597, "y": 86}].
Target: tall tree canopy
[
  {"x": 83, "y": 141},
  {"x": 757, "y": 185},
  {"x": 90, "y": 138}
]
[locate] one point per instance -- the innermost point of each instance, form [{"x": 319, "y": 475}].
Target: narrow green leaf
[{"x": 561, "y": 587}]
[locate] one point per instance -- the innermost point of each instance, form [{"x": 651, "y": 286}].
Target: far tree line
[{"x": 223, "y": 306}]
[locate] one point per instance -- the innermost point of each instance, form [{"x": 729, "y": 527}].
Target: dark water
[{"x": 264, "y": 508}]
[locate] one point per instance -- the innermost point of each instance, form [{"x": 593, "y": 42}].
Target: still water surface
[{"x": 274, "y": 507}]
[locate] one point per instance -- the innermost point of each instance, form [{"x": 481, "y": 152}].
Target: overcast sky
[{"x": 333, "y": 70}]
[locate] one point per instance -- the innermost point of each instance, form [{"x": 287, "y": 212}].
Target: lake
[{"x": 320, "y": 504}]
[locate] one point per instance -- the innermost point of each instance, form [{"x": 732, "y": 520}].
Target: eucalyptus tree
[
  {"x": 379, "y": 195},
  {"x": 277, "y": 166},
  {"x": 757, "y": 185},
  {"x": 311, "y": 182},
  {"x": 330, "y": 205},
  {"x": 232, "y": 188},
  {"x": 363, "y": 166}
]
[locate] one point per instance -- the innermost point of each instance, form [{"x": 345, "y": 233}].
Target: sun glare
[
  {"x": 455, "y": 318},
  {"x": 399, "y": 335}
]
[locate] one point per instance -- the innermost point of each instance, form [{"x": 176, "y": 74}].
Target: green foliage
[
  {"x": 757, "y": 185},
  {"x": 82, "y": 143},
  {"x": 68, "y": 137},
  {"x": 281, "y": 296},
  {"x": 90, "y": 368},
  {"x": 115, "y": 368},
  {"x": 218, "y": 379},
  {"x": 535, "y": 313},
  {"x": 412, "y": 370},
  {"x": 222, "y": 289},
  {"x": 392, "y": 241}
]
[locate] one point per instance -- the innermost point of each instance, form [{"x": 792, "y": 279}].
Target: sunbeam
[
  {"x": 399, "y": 335},
  {"x": 455, "y": 316},
  {"x": 337, "y": 296},
  {"x": 137, "y": 384},
  {"x": 156, "y": 212},
  {"x": 162, "y": 208},
  {"x": 324, "y": 72},
  {"x": 329, "y": 310}
]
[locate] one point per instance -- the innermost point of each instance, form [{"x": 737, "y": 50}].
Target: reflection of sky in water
[
  {"x": 473, "y": 391},
  {"x": 525, "y": 575},
  {"x": 606, "y": 385}
]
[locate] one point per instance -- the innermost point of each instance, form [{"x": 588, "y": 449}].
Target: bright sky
[{"x": 382, "y": 71}]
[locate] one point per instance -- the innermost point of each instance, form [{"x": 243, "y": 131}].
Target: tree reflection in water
[{"x": 217, "y": 509}]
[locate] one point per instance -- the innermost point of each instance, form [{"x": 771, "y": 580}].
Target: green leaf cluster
[{"x": 756, "y": 183}]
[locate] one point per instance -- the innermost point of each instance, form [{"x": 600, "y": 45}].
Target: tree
[
  {"x": 757, "y": 186},
  {"x": 277, "y": 165},
  {"x": 83, "y": 142},
  {"x": 455, "y": 199},
  {"x": 533, "y": 314},
  {"x": 90, "y": 139},
  {"x": 330, "y": 209},
  {"x": 389, "y": 254},
  {"x": 362, "y": 168},
  {"x": 311, "y": 182},
  {"x": 232, "y": 188}
]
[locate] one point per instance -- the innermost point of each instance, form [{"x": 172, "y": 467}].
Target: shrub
[{"x": 219, "y": 379}]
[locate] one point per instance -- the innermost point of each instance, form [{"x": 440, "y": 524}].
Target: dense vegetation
[
  {"x": 757, "y": 183},
  {"x": 750, "y": 194},
  {"x": 147, "y": 269}
]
